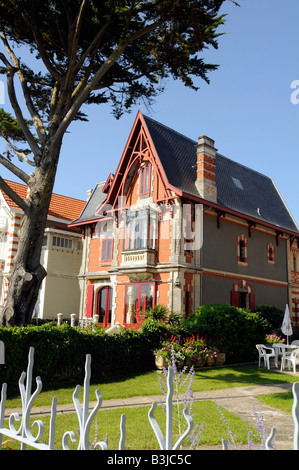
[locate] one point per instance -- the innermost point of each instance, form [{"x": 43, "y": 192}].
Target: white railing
[{"x": 85, "y": 419}]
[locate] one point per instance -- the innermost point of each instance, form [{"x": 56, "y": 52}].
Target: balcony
[{"x": 141, "y": 258}]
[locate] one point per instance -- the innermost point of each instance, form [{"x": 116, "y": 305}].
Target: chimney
[{"x": 205, "y": 179}]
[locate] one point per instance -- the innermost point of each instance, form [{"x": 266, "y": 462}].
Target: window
[
  {"x": 104, "y": 305},
  {"x": 140, "y": 230},
  {"x": 106, "y": 250},
  {"x": 294, "y": 261},
  {"x": 270, "y": 253},
  {"x": 145, "y": 175},
  {"x": 242, "y": 250},
  {"x": 139, "y": 298},
  {"x": 65, "y": 243}
]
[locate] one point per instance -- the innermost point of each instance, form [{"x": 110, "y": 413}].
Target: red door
[{"x": 104, "y": 307}]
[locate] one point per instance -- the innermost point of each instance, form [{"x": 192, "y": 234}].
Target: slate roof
[
  {"x": 61, "y": 207},
  {"x": 96, "y": 199},
  {"x": 239, "y": 188}
]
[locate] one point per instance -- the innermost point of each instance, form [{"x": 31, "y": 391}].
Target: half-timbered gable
[{"x": 181, "y": 225}]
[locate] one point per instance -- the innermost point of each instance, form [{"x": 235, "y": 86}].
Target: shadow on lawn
[{"x": 244, "y": 375}]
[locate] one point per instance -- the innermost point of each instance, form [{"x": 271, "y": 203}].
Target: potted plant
[
  {"x": 273, "y": 338},
  {"x": 169, "y": 351}
]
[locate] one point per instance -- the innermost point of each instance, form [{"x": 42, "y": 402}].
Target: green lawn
[
  {"x": 107, "y": 422},
  {"x": 280, "y": 401},
  {"x": 147, "y": 384},
  {"x": 216, "y": 424}
]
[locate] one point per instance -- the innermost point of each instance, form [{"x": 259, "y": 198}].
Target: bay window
[{"x": 140, "y": 229}]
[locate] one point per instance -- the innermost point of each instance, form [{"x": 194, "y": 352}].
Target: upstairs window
[
  {"x": 242, "y": 250},
  {"x": 270, "y": 253},
  {"x": 64, "y": 243},
  {"x": 140, "y": 230},
  {"x": 106, "y": 249},
  {"x": 145, "y": 176}
]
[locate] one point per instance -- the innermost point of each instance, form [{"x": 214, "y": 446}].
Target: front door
[{"x": 104, "y": 309}]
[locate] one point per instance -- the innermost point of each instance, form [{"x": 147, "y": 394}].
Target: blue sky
[{"x": 246, "y": 108}]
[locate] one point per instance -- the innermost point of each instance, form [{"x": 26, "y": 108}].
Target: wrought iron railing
[{"x": 25, "y": 436}]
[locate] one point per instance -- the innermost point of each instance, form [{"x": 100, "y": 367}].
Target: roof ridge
[{"x": 170, "y": 129}]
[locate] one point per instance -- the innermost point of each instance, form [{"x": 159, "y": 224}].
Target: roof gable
[{"x": 240, "y": 190}]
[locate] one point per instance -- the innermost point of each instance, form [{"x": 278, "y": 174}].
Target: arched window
[{"x": 104, "y": 305}]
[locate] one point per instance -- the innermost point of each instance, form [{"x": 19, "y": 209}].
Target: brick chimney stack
[{"x": 205, "y": 180}]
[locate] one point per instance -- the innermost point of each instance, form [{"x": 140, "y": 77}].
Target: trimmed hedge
[{"x": 60, "y": 352}]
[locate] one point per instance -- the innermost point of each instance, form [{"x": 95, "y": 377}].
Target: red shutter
[
  {"x": 252, "y": 302},
  {"x": 89, "y": 303},
  {"x": 235, "y": 298}
]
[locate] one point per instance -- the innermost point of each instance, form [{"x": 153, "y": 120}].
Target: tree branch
[
  {"x": 13, "y": 195},
  {"x": 19, "y": 116},
  {"x": 38, "y": 124},
  {"x": 88, "y": 89},
  {"x": 43, "y": 53},
  {"x": 15, "y": 170},
  {"x": 21, "y": 155},
  {"x": 73, "y": 40}
]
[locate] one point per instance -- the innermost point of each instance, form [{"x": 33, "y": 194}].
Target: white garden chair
[
  {"x": 263, "y": 354},
  {"x": 295, "y": 342},
  {"x": 291, "y": 358}
]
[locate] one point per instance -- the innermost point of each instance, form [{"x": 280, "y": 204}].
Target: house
[
  {"x": 181, "y": 225},
  {"x": 61, "y": 252}
]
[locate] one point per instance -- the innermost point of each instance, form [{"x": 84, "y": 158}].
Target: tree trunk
[{"x": 27, "y": 275}]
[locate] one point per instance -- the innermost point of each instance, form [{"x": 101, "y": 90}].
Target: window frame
[
  {"x": 146, "y": 221},
  {"x": 270, "y": 253},
  {"x": 145, "y": 180},
  {"x": 108, "y": 305},
  {"x": 58, "y": 246},
  {"x": 138, "y": 301},
  {"x": 242, "y": 243},
  {"x": 105, "y": 250}
]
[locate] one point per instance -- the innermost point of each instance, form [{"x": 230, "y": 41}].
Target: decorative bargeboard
[{"x": 24, "y": 435}]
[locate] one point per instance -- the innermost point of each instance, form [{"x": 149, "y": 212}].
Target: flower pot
[
  {"x": 161, "y": 362},
  {"x": 188, "y": 362},
  {"x": 198, "y": 362},
  {"x": 210, "y": 361},
  {"x": 220, "y": 359}
]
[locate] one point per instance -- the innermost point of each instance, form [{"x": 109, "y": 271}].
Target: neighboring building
[
  {"x": 181, "y": 225},
  {"x": 61, "y": 253}
]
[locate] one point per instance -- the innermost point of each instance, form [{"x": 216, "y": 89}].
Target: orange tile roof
[{"x": 61, "y": 207}]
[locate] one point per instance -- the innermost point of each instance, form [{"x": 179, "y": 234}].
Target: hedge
[{"x": 60, "y": 352}]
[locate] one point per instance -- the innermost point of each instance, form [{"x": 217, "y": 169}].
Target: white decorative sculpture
[{"x": 166, "y": 444}]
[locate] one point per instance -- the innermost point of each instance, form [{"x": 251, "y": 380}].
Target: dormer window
[{"x": 145, "y": 177}]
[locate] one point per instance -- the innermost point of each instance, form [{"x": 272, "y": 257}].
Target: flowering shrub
[
  {"x": 171, "y": 349},
  {"x": 271, "y": 339}
]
